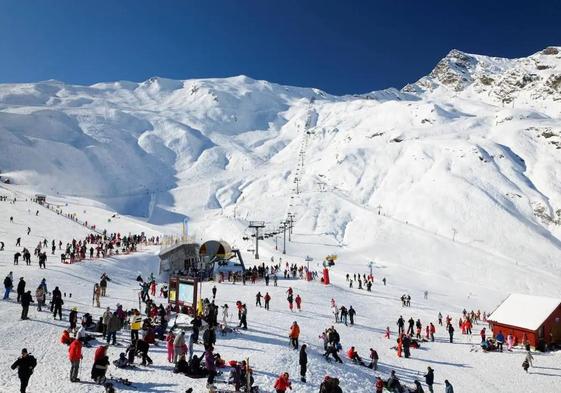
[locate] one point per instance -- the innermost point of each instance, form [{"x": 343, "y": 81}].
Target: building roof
[{"x": 524, "y": 311}]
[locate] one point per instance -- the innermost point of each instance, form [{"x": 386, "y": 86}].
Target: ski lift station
[{"x": 186, "y": 258}]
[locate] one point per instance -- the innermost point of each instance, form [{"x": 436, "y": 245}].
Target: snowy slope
[
  {"x": 461, "y": 165},
  {"x": 265, "y": 342}
]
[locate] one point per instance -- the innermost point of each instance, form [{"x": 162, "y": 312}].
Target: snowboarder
[{"x": 25, "y": 364}]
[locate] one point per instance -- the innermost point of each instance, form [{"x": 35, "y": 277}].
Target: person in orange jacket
[
  {"x": 282, "y": 383},
  {"x": 399, "y": 346},
  {"x": 294, "y": 334},
  {"x": 75, "y": 357}
]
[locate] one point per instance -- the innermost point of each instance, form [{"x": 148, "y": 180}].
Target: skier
[
  {"x": 448, "y": 387},
  {"x": 482, "y": 334},
  {"x": 303, "y": 363},
  {"x": 258, "y": 299},
  {"x": 293, "y": 335},
  {"x": 214, "y": 292},
  {"x": 18, "y": 242},
  {"x": 440, "y": 319},
  {"x": 290, "y": 300},
  {"x": 451, "y": 332},
  {"x": 352, "y": 314},
  {"x": 25, "y": 364},
  {"x": 75, "y": 357},
  {"x": 16, "y": 258}
]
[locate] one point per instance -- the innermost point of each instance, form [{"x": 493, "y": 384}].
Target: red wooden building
[{"x": 535, "y": 318}]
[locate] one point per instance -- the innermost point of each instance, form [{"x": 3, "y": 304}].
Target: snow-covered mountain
[{"x": 465, "y": 162}]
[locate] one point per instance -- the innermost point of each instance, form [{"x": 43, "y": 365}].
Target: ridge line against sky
[{"x": 339, "y": 47}]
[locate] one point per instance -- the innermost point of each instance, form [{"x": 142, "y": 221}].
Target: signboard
[
  {"x": 186, "y": 293},
  {"x": 183, "y": 294}
]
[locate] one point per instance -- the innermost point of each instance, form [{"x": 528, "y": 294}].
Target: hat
[
  {"x": 74, "y": 308},
  {"x": 24, "y": 350}
]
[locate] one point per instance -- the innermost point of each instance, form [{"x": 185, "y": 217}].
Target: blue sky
[{"x": 342, "y": 46}]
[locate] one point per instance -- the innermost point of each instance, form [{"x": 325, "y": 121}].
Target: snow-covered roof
[{"x": 524, "y": 311}]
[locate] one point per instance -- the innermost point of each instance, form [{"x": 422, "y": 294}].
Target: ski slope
[
  {"x": 266, "y": 341},
  {"x": 448, "y": 185}
]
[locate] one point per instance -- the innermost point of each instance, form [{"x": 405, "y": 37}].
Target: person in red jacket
[
  {"x": 75, "y": 356},
  {"x": 100, "y": 352},
  {"x": 282, "y": 383},
  {"x": 298, "y": 301},
  {"x": 65, "y": 338},
  {"x": 379, "y": 385},
  {"x": 353, "y": 355}
]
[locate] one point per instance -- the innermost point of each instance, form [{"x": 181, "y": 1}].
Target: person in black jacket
[
  {"x": 26, "y": 300},
  {"x": 303, "y": 362},
  {"x": 8, "y": 285},
  {"x": 25, "y": 365},
  {"x": 20, "y": 288},
  {"x": 429, "y": 378}
]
